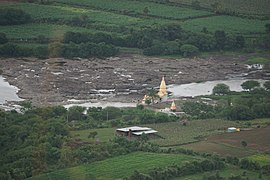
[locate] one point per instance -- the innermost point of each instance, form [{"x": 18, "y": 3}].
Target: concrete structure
[
  {"x": 173, "y": 107},
  {"x": 135, "y": 131}
]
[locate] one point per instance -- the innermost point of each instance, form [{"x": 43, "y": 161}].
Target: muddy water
[
  {"x": 7, "y": 92},
  {"x": 205, "y": 88}
]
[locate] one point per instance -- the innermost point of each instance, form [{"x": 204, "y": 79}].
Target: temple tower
[{"x": 163, "y": 94}]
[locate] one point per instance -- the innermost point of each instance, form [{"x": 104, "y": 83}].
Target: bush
[
  {"x": 221, "y": 89},
  {"x": 3, "y": 38},
  {"x": 13, "y": 16},
  {"x": 189, "y": 50},
  {"x": 250, "y": 85}
]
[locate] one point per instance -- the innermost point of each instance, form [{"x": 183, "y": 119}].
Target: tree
[
  {"x": 146, "y": 10},
  {"x": 152, "y": 94},
  {"x": 189, "y": 50},
  {"x": 267, "y": 85},
  {"x": 244, "y": 143},
  {"x": 220, "y": 37},
  {"x": 221, "y": 89},
  {"x": 267, "y": 26},
  {"x": 3, "y": 38},
  {"x": 92, "y": 134},
  {"x": 250, "y": 85}
]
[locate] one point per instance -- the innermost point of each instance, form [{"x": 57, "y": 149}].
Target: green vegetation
[
  {"x": 156, "y": 28},
  {"x": 263, "y": 159},
  {"x": 121, "y": 166},
  {"x": 136, "y": 8},
  {"x": 225, "y": 173},
  {"x": 103, "y": 134},
  {"x": 175, "y": 133},
  {"x": 257, "y": 60},
  {"x": 229, "y": 24},
  {"x": 246, "y": 8}
]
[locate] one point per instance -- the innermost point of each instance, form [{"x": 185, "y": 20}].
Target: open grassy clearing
[
  {"x": 263, "y": 159},
  {"x": 104, "y": 134},
  {"x": 229, "y": 171},
  {"x": 247, "y": 7},
  {"x": 174, "y": 133},
  {"x": 219, "y": 148},
  {"x": 258, "y": 60},
  {"x": 229, "y": 24},
  {"x": 230, "y": 143},
  {"x": 32, "y": 30},
  {"x": 119, "y": 167},
  {"x": 137, "y": 7}
]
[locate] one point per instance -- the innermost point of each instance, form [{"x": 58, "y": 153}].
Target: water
[
  {"x": 8, "y": 92},
  {"x": 205, "y": 88}
]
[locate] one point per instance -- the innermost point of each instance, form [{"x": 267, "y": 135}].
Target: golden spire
[
  {"x": 173, "y": 106},
  {"x": 162, "y": 88}
]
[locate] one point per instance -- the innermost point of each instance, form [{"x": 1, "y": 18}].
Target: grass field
[
  {"x": 119, "y": 167},
  {"x": 226, "y": 173},
  {"x": 258, "y": 140},
  {"x": 258, "y": 60},
  {"x": 263, "y": 159},
  {"x": 155, "y": 9},
  {"x": 246, "y": 7},
  {"x": 109, "y": 16},
  {"x": 33, "y": 30},
  {"x": 175, "y": 134},
  {"x": 104, "y": 134},
  {"x": 229, "y": 24}
]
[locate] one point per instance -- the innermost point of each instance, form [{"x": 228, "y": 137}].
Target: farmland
[
  {"x": 112, "y": 17},
  {"x": 103, "y": 134},
  {"x": 255, "y": 8},
  {"x": 176, "y": 134},
  {"x": 137, "y": 7},
  {"x": 229, "y": 23},
  {"x": 263, "y": 159},
  {"x": 230, "y": 143},
  {"x": 119, "y": 167},
  {"x": 226, "y": 173}
]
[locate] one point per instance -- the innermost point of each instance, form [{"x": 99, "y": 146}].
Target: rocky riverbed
[{"x": 124, "y": 78}]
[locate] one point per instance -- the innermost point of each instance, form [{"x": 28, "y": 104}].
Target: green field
[
  {"x": 155, "y": 9},
  {"x": 226, "y": 173},
  {"x": 117, "y": 16},
  {"x": 104, "y": 134},
  {"x": 175, "y": 134},
  {"x": 52, "y": 31},
  {"x": 119, "y": 167},
  {"x": 245, "y": 7},
  {"x": 258, "y": 60},
  {"x": 263, "y": 159},
  {"x": 230, "y": 24}
]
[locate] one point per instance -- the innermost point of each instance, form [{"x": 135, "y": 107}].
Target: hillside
[{"x": 147, "y": 25}]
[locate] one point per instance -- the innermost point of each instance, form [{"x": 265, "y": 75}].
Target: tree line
[{"x": 250, "y": 104}]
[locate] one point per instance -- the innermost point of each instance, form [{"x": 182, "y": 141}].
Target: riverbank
[{"x": 122, "y": 79}]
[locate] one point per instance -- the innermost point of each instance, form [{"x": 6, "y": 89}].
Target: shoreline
[{"x": 56, "y": 80}]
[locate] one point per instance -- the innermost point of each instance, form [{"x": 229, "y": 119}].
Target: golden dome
[{"x": 162, "y": 88}]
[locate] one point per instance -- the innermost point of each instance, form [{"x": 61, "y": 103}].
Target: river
[
  {"x": 205, "y": 88},
  {"x": 8, "y": 92}
]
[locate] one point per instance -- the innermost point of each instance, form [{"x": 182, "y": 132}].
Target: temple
[
  {"x": 173, "y": 107},
  {"x": 163, "y": 94}
]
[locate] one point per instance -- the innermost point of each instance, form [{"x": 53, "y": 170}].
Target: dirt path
[{"x": 56, "y": 80}]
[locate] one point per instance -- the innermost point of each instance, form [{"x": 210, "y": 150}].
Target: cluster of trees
[
  {"x": 83, "y": 50},
  {"x": 179, "y": 171},
  {"x": 253, "y": 103},
  {"x": 113, "y": 117},
  {"x": 38, "y": 140},
  {"x": 13, "y": 16}
]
